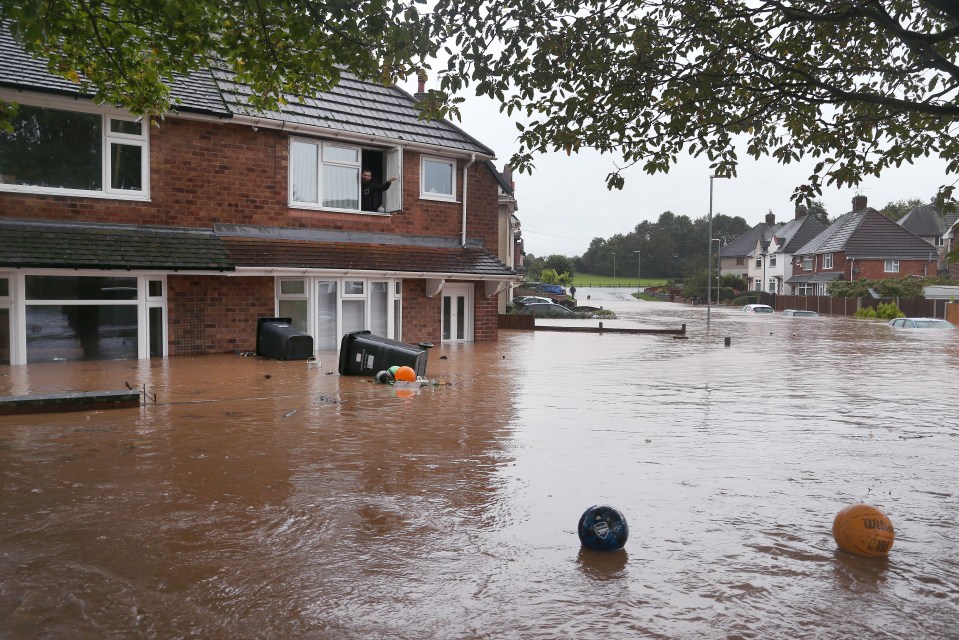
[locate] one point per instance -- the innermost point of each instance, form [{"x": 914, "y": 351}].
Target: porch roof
[
  {"x": 68, "y": 245},
  {"x": 64, "y": 245},
  {"x": 365, "y": 257}
]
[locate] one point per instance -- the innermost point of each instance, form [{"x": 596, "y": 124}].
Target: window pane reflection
[
  {"x": 81, "y": 332},
  {"x": 53, "y": 148}
]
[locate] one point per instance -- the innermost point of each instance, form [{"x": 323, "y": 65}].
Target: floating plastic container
[
  {"x": 365, "y": 354},
  {"x": 277, "y": 338}
]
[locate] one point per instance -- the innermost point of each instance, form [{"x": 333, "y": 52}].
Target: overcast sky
[{"x": 565, "y": 203}]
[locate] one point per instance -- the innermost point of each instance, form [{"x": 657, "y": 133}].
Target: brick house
[
  {"x": 862, "y": 244},
  {"x": 119, "y": 239}
]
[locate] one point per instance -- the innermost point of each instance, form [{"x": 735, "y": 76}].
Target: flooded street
[{"x": 264, "y": 499}]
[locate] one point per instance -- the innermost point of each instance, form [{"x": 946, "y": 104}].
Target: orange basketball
[
  {"x": 864, "y": 530},
  {"x": 405, "y": 374}
]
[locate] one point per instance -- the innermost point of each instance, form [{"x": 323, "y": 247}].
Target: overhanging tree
[
  {"x": 853, "y": 86},
  {"x": 128, "y": 52}
]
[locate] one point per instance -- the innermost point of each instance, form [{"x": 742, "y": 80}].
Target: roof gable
[
  {"x": 868, "y": 234},
  {"x": 924, "y": 221}
]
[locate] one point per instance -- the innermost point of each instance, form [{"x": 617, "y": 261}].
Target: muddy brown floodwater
[{"x": 263, "y": 499}]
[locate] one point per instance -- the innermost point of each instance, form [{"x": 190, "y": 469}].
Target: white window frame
[
  {"x": 394, "y": 290},
  {"x": 890, "y": 266},
  {"x": 107, "y": 137},
  {"x": 424, "y": 194},
  {"x": 18, "y": 303},
  {"x": 807, "y": 263},
  {"x": 827, "y": 261},
  {"x": 321, "y": 161},
  {"x": 772, "y": 260},
  {"x": 759, "y": 262},
  {"x": 939, "y": 241}
]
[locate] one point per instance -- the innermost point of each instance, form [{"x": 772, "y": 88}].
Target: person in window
[{"x": 372, "y": 193}]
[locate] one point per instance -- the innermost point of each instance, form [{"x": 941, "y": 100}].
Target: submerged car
[
  {"x": 800, "y": 313},
  {"x": 920, "y": 323},
  {"x": 543, "y": 310},
  {"x": 757, "y": 308},
  {"x": 525, "y": 300}
]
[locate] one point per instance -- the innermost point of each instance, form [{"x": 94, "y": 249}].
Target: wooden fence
[
  {"x": 515, "y": 321},
  {"x": 912, "y": 307}
]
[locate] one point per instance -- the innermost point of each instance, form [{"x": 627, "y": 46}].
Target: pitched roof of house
[
  {"x": 797, "y": 232},
  {"x": 924, "y": 221},
  {"x": 868, "y": 234},
  {"x": 58, "y": 244},
  {"x": 745, "y": 244},
  {"x": 353, "y": 107}
]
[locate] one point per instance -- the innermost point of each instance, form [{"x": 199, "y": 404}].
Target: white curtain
[{"x": 303, "y": 169}]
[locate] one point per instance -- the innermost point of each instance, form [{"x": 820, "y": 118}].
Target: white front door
[{"x": 457, "y": 312}]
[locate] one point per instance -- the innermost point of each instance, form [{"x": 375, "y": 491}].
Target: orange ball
[
  {"x": 405, "y": 374},
  {"x": 863, "y": 530}
]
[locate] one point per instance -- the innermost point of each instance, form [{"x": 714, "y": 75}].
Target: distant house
[
  {"x": 862, "y": 244},
  {"x": 933, "y": 227},
  {"x": 786, "y": 240},
  {"x": 739, "y": 256},
  {"x": 119, "y": 239}
]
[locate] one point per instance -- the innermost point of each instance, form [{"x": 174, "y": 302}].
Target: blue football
[{"x": 603, "y": 528}]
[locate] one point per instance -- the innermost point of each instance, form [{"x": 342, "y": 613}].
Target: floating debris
[{"x": 290, "y": 413}]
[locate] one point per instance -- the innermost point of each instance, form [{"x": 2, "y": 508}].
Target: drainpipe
[{"x": 468, "y": 165}]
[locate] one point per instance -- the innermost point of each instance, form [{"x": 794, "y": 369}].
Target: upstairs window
[
  {"x": 759, "y": 262},
  {"x": 807, "y": 263},
  {"x": 940, "y": 241},
  {"x": 891, "y": 266},
  {"x": 437, "y": 179},
  {"x": 63, "y": 152},
  {"x": 827, "y": 261},
  {"x": 324, "y": 175},
  {"x": 772, "y": 261}
]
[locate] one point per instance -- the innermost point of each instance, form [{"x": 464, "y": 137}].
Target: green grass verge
[{"x": 589, "y": 280}]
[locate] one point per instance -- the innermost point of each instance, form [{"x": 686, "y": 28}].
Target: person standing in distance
[{"x": 371, "y": 194}]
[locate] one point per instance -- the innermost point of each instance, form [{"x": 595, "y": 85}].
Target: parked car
[
  {"x": 800, "y": 313},
  {"x": 543, "y": 310},
  {"x": 554, "y": 289},
  {"x": 525, "y": 300},
  {"x": 920, "y": 323},
  {"x": 758, "y": 308}
]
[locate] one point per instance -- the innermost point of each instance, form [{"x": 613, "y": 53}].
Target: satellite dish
[{"x": 855, "y": 269}]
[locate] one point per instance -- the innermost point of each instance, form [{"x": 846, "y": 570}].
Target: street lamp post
[
  {"x": 718, "y": 264},
  {"x": 709, "y": 251},
  {"x": 639, "y": 264},
  {"x": 614, "y": 265}
]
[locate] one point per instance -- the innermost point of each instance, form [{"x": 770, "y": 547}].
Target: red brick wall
[
  {"x": 869, "y": 269},
  {"x": 421, "y": 315},
  {"x": 486, "y": 318},
  {"x": 216, "y": 314},
  {"x": 203, "y": 173},
  {"x": 874, "y": 269}
]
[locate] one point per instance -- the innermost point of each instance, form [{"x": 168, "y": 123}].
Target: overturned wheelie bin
[{"x": 364, "y": 354}]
